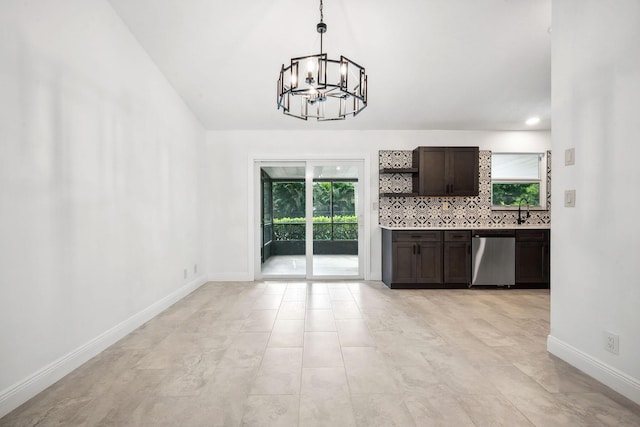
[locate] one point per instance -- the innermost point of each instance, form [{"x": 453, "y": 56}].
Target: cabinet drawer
[
  {"x": 532, "y": 235},
  {"x": 457, "y": 236},
  {"x": 423, "y": 236}
]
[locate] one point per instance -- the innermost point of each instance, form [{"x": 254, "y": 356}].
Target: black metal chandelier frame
[{"x": 328, "y": 89}]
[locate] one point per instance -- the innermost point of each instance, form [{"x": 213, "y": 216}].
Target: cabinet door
[
  {"x": 429, "y": 268},
  {"x": 404, "y": 262},
  {"x": 431, "y": 179},
  {"x": 446, "y": 171},
  {"x": 463, "y": 171},
  {"x": 457, "y": 262},
  {"x": 532, "y": 262}
]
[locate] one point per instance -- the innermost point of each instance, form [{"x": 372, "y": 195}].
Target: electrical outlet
[
  {"x": 185, "y": 273},
  {"x": 611, "y": 342},
  {"x": 445, "y": 206}
]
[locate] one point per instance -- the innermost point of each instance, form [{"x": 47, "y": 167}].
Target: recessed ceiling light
[{"x": 533, "y": 121}]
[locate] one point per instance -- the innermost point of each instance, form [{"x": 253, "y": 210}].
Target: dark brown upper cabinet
[{"x": 446, "y": 171}]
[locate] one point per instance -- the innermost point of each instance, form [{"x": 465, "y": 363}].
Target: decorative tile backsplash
[{"x": 463, "y": 211}]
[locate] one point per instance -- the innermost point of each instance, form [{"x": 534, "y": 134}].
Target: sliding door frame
[{"x": 364, "y": 219}]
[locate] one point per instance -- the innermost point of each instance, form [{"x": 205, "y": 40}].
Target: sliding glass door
[
  {"x": 310, "y": 219},
  {"x": 335, "y": 220}
]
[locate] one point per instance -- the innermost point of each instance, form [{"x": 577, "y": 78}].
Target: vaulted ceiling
[{"x": 431, "y": 64}]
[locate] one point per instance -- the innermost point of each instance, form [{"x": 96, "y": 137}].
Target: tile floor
[{"x": 333, "y": 354}]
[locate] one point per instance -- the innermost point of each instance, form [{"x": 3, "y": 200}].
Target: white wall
[
  {"x": 99, "y": 210},
  {"x": 228, "y": 245},
  {"x": 595, "y": 246}
]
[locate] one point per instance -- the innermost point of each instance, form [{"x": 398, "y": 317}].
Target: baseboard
[
  {"x": 624, "y": 384},
  {"x": 230, "y": 277},
  {"x": 24, "y": 390}
]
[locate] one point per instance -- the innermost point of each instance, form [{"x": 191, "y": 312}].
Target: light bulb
[
  {"x": 343, "y": 69},
  {"x": 310, "y": 66}
]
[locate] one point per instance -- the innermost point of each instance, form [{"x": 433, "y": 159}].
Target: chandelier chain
[{"x": 321, "y": 14}]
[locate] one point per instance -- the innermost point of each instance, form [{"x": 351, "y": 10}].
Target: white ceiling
[{"x": 431, "y": 64}]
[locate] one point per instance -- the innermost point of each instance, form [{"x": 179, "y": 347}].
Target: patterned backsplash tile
[{"x": 463, "y": 211}]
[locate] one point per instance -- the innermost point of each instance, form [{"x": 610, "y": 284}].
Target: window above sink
[{"x": 518, "y": 179}]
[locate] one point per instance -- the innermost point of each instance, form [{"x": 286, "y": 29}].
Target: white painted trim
[
  {"x": 624, "y": 384},
  {"x": 19, "y": 393},
  {"x": 230, "y": 277}
]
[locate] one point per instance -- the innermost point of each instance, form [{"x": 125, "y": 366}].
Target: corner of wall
[
  {"x": 606, "y": 374},
  {"x": 19, "y": 393}
]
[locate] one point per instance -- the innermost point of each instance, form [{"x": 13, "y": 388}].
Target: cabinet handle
[
  {"x": 418, "y": 249},
  {"x": 413, "y": 248}
]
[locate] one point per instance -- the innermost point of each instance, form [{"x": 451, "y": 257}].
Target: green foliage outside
[
  {"x": 511, "y": 194},
  {"x": 345, "y": 227},
  {"x": 343, "y": 198},
  {"x": 289, "y": 199},
  {"x": 289, "y": 211}
]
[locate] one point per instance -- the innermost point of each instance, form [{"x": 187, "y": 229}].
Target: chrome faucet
[{"x": 520, "y": 219}]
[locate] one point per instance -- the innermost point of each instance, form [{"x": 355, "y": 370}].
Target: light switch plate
[
  {"x": 569, "y": 156},
  {"x": 570, "y": 198}
]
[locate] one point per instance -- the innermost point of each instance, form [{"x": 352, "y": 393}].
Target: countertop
[{"x": 476, "y": 227}]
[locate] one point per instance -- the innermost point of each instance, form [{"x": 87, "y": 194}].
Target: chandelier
[{"x": 316, "y": 86}]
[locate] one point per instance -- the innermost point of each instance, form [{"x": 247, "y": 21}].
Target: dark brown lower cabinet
[
  {"x": 442, "y": 259},
  {"x": 426, "y": 259},
  {"x": 532, "y": 257},
  {"x": 429, "y": 268},
  {"x": 457, "y": 256}
]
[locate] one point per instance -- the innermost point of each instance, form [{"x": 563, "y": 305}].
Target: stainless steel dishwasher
[{"x": 493, "y": 257}]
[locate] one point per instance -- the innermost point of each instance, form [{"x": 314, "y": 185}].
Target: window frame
[{"x": 542, "y": 181}]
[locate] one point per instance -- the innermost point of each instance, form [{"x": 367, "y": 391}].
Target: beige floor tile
[
  {"x": 260, "y": 321},
  {"x": 344, "y": 310},
  {"x": 555, "y": 375},
  {"x": 325, "y": 382},
  {"x": 276, "y": 288},
  {"x": 319, "y": 320},
  {"x": 317, "y": 288},
  {"x": 322, "y": 350},
  {"x": 354, "y": 333},
  {"x": 381, "y": 410},
  {"x": 434, "y": 357},
  {"x": 599, "y": 410},
  {"x": 367, "y": 372},
  {"x": 488, "y": 334},
  {"x": 287, "y": 333},
  {"x": 340, "y": 294},
  {"x": 438, "y": 407},
  {"x": 271, "y": 411},
  {"x": 492, "y": 411},
  {"x": 280, "y": 372},
  {"x": 292, "y": 310},
  {"x": 415, "y": 379},
  {"x": 318, "y": 301},
  {"x": 246, "y": 350},
  {"x": 329, "y": 411},
  {"x": 295, "y": 294},
  {"x": 268, "y": 301}
]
